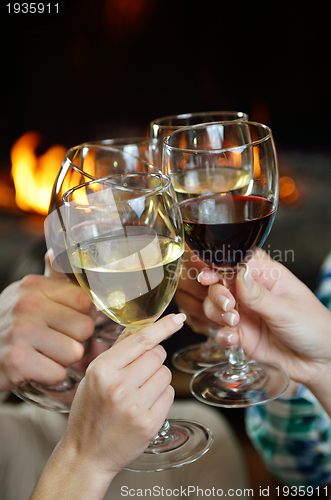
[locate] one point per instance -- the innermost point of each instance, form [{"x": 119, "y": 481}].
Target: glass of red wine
[
  {"x": 228, "y": 171},
  {"x": 193, "y": 357}
]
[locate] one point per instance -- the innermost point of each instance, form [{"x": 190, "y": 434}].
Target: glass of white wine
[
  {"x": 192, "y": 358},
  {"x": 125, "y": 242},
  {"x": 83, "y": 163}
]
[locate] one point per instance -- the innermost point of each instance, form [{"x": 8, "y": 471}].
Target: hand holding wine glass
[
  {"x": 282, "y": 320},
  {"x": 124, "y": 239},
  {"x": 44, "y": 322},
  {"x": 224, "y": 224},
  {"x": 139, "y": 397}
]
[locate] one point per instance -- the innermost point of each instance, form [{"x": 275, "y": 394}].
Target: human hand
[
  {"x": 43, "y": 322},
  {"x": 121, "y": 402},
  {"x": 281, "y": 320}
]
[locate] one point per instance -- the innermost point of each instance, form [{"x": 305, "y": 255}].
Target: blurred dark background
[
  {"x": 102, "y": 67},
  {"x": 105, "y": 68}
]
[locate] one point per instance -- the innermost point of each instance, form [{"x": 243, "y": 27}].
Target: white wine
[
  {"x": 203, "y": 180},
  {"x": 131, "y": 277}
]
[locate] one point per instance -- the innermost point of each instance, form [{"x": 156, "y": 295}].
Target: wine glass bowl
[
  {"x": 123, "y": 246},
  {"x": 228, "y": 174},
  {"x": 83, "y": 163},
  {"x": 161, "y": 127},
  {"x": 125, "y": 243}
]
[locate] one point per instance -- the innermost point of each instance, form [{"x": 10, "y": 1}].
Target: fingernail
[
  {"x": 231, "y": 319},
  {"x": 199, "y": 276},
  {"x": 222, "y": 301},
  {"x": 225, "y": 337},
  {"x": 179, "y": 318},
  {"x": 228, "y": 337},
  {"x": 247, "y": 279}
]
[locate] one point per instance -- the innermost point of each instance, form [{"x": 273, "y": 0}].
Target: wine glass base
[
  {"x": 57, "y": 398},
  {"x": 195, "y": 357},
  {"x": 214, "y": 386},
  {"x": 193, "y": 441}
]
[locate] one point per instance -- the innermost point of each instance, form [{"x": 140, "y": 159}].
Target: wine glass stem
[
  {"x": 237, "y": 359},
  {"x": 211, "y": 342},
  {"x": 167, "y": 439},
  {"x": 162, "y": 434}
]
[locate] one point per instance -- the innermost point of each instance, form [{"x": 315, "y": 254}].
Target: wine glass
[
  {"x": 125, "y": 242},
  {"x": 82, "y": 163},
  {"x": 161, "y": 127},
  {"x": 229, "y": 172},
  {"x": 194, "y": 357}
]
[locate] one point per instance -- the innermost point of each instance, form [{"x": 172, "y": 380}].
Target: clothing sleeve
[
  {"x": 293, "y": 436},
  {"x": 323, "y": 291}
]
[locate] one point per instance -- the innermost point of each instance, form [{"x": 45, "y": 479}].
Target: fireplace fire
[
  {"x": 25, "y": 192},
  {"x": 32, "y": 176}
]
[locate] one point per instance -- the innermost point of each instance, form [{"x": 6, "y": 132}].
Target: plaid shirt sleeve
[
  {"x": 323, "y": 291},
  {"x": 293, "y": 436}
]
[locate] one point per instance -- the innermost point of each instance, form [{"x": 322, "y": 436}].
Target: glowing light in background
[
  {"x": 34, "y": 176},
  {"x": 288, "y": 190}
]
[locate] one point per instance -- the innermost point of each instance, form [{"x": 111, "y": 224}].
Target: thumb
[{"x": 257, "y": 297}]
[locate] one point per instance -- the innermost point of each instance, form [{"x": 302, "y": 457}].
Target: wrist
[
  {"x": 83, "y": 464},
  {"x": 70, "y": 474}
]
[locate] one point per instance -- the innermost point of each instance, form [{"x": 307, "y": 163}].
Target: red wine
[{"x": 222, "y": 229}]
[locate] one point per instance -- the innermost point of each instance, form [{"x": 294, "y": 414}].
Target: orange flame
[
  {"x": 288, "y": 190},
  {"x": 256, "y": 160},
  {"x": 34, "y": 176}
]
